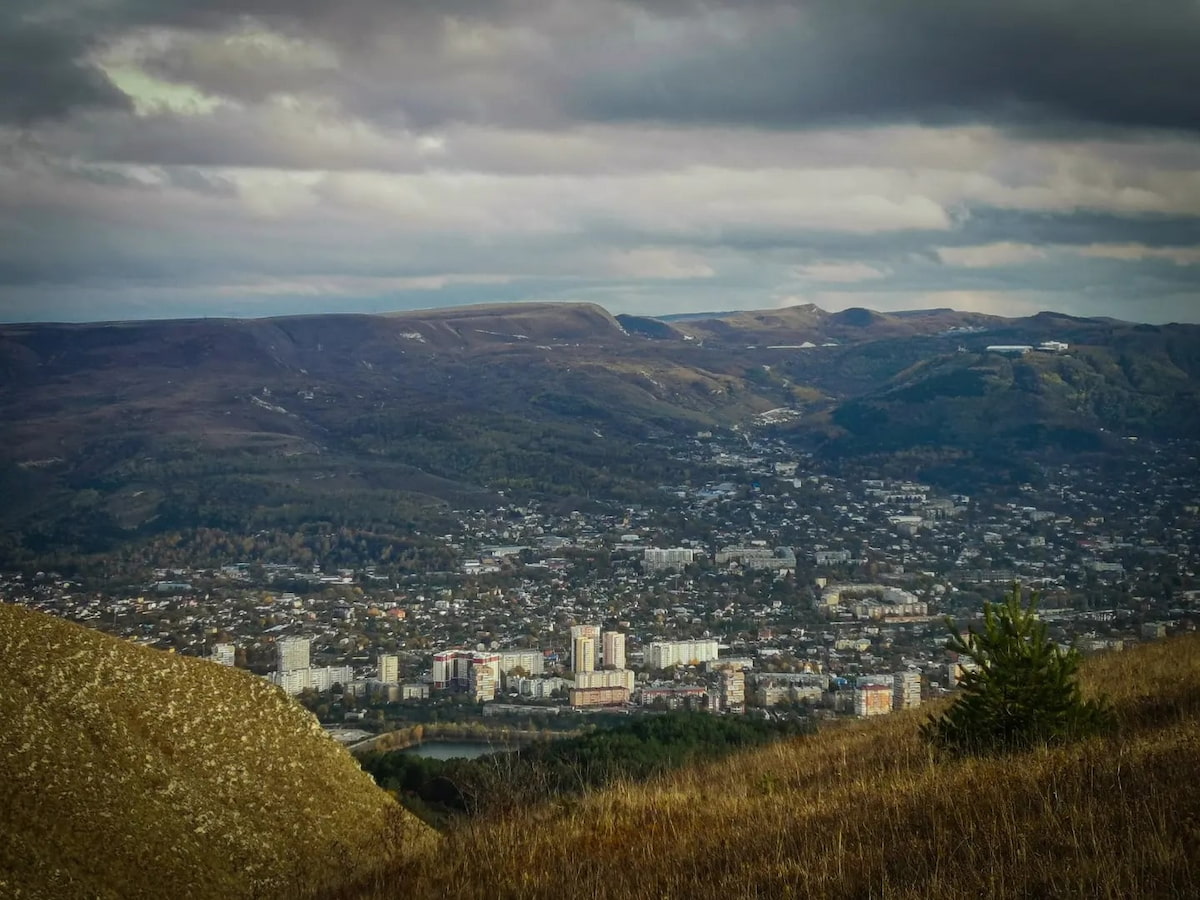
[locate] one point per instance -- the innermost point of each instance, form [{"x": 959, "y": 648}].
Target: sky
[{"x": 171, "y": 158}]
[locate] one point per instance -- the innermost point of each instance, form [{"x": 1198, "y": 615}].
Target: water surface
[{"x": 455, "y": 749}]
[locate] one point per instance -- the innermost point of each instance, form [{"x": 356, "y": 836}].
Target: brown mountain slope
[{"x": 128, "y": 772}]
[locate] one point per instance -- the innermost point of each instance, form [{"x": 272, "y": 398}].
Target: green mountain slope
[
  {"x": 1078, "y": 400},
  {"x": 128, "y": 772}
]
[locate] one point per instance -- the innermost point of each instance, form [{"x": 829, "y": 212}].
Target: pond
[{"x": 454, "y": 749}]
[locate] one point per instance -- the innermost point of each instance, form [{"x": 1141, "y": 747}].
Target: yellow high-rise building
[
  {"x": 583, "y": 654},
  {"x": 613, "y": 650}
]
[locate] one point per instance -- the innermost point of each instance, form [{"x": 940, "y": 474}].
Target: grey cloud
[
  {"x": 1024, "y": 62},
  {"x": 989, "y": 225},
  {"x": 540, "y": 140},
  {"x": 242, "y": 69},
  {"x": 43, "y": 69}
]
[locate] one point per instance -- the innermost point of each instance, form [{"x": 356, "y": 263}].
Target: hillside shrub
[{"x": 1023, "y": 691}]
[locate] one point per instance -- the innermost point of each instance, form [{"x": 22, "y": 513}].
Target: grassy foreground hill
[
  {"x": 128, "y": 772},
  {"x": 865, "y": 811}
]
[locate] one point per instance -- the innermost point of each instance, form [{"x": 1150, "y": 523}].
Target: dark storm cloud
[
  {"x": 773, "y": 64},
  {"x": 43, "y": 70},
  {"x": 1027, "y": 62},
  {"x": 1077, "y": 228}
]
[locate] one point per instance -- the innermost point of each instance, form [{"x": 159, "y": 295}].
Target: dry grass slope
[
  {"x": 863, "y": 811},
  {"x": 127, "y": 772}
]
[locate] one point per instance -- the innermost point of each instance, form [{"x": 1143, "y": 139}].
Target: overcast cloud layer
[{"x": 253, "y": 157}]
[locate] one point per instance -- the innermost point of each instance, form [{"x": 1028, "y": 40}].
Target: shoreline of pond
[{"x": 502, "y": 739}]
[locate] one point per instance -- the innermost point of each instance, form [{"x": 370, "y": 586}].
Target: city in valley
[{"x": 782, "y": 588}]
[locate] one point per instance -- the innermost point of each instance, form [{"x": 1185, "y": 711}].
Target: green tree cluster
[{"x": 635, "y": 749}]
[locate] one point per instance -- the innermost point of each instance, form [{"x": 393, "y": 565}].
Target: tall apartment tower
[
  {"x": 583, "y": 654},
  {"x": 292, "y": 654},
  {"x": 389, "y": 668},
  {"x": 613, "y": 650},
  {"x": 906, "y": 689},
  {"x": 588, "y": 631},
  {"x": 483, "y": 678},
  {"x": 731, "y": 683}
]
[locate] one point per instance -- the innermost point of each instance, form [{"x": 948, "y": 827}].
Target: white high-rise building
[
  {"x": 613, "y": 647},
  {"x": 292, "y": 654},
  {"x": 660, "y": 560},
  {"x": 532, "y": 661},
  {"x": 224, "y": 654},
  {"x": 452, "y": 669},
  {"x": 389, "y": 668},
  {"x": 662, "y": 654},
  {"x": 608, "y": 678},
  {"x": 588, "y": 631},
  {"x": 583, "y": 654},
  {"x": 320, "y": 679}
]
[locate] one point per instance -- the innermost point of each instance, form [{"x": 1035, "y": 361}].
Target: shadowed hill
[
  {"x": 864, "y": 810},
  {"x": 128, "y": 772},
  {"x": 1070, "y": 400},
  {"x": 119, "y": 433}
]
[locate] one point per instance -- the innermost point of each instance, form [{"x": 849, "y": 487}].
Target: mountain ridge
[{"x": 116, "y": 432}]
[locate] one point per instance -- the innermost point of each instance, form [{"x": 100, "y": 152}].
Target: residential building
[
  {"x": 224, "y": 654},
  {"x": 537, "y": 688},
  {"x": 674, "y": 696},
  {"x": 292, "y": 654},
  {"x": 452, "y": 669},
  {"x": 731, "y": 688},
  {"x": 781, "y": 558},
  {"x": 738, "y": 662},
  {"x": 593, "y": 633},
  {"x": 605, "y": 678},
  {"x": 583, "y": 654},
  {"x": 662, "y": 654},
  {"x": 613, "y": 650},
  {"x": 906, "y": 689},
  {"x": 414, "y": 691},
  {"x": 483, "y": 680},
  {"x": 831, "y": 557},
  {"x": 533, "y": 662},
  {"x": 321, "y": 678},
  {"x": 664, "y": 560},
  {"x": 389, "y": 668},
  {"x": 598, "y": 696},
  {"x": 872, "y": 700}
]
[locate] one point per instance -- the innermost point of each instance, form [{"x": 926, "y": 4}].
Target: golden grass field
[
  {"x": 132, "y": 773},
  {"x": 863, "y": 810},
  {"x": 128, "y": 772}
]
